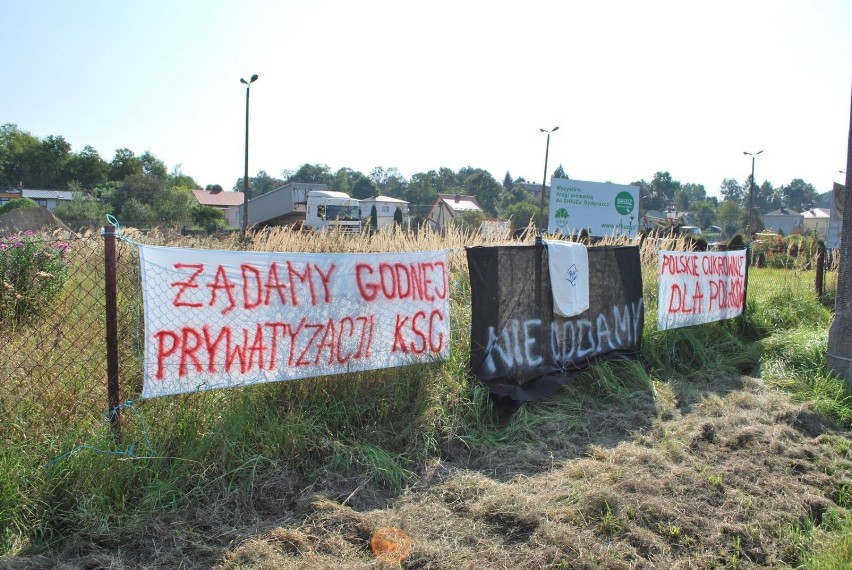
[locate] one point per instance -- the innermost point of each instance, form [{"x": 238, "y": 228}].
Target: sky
[{"x": 634, "y": 87}]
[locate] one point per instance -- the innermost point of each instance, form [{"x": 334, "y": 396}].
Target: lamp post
[
  {"x": 544, "y": 181},
  {"x": 751, "y": 193},
  {"x": 244, "y": 221}
]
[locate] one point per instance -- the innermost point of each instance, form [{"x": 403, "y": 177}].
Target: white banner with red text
[
  {"x": 220, "y": 319},
  {"x": 700, "y": 287}
]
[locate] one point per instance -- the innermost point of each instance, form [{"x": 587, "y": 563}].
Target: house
[
  {"x": 449, "y": 206},
  {"x": 783, "y": 221},
  {"x": 9, "y": 194},
  {"x": 229, "y": 202},
  {"x": 816, "y": 220},
  {"x": 49, "y": 199},
  {"x": 386, "y": 208}
]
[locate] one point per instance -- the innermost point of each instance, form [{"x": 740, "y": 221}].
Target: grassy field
[{"x": 728, "y": 446}]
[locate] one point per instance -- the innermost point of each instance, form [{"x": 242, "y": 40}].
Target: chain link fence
[
  {"x": 55, "y": 371},
  {"x": 52, "y": 333},
  {"x": 795, "y": 266}
]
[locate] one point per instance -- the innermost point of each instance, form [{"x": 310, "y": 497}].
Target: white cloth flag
[
  {"x": 219, "y": 319},
  {"x": 569, "y": 277},
  {"x": 700, "y": 287}
]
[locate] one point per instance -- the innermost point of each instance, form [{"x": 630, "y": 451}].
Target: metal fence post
[
  {"x": 745, "y": 283},
  {"x": 820, "y": 271},
  {"x": 110, "y": 291}
]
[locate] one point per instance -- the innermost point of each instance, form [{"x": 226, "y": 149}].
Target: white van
[{"x": 689, "y": 230}]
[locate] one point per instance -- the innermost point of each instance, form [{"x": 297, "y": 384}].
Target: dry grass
[{"x": 720, "y": 483}]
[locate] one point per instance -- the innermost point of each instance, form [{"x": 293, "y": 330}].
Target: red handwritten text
[
  {"x": 264, "y": 346},
  {"x": 254, "y": 287},
  {"x": 413, "y": 281}
]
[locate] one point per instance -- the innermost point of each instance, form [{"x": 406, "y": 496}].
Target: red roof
[{"x": 220, "y": 198}]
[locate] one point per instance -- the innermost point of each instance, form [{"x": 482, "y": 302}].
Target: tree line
[{"x": 140, "y": 191}]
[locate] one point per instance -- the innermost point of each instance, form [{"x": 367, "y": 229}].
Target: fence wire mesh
[
  {"x": 53, "y": 370},
  {"x": 52, "y": 340}
]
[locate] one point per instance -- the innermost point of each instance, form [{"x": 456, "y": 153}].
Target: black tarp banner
[{"x": 521, "y": 350}]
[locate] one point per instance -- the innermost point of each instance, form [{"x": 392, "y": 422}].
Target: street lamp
[
  {"x": 751, "y": 193},
  {"x": 244, "y": 223},
  {"x": 544, "y": 180}
]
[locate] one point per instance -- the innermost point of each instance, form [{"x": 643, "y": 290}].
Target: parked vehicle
[
  {"x": 689, "y": 230},
  {"x": 310, "y": 206},
  {"x": 328, "y": 209}
]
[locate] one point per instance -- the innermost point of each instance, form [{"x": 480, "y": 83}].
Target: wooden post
[{"x": 110, "y": 292}]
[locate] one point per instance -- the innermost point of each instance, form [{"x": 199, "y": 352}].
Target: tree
[
  {"x": 374, "y": 218},
  {"x": 207, "y": 217},
  {"x": 15, "y": 145},
  {"x": 174, "y": 206},
  {"x": 178, "y": 178},
  {"x": 470, "y": 220},
  {"x": 421, "y": 190},
  {"x": 143, "y": 191},
  {"x": 312, "y": 174},
  {"x": 521, "y": 214},
  {"x": 87, "y": 168},
  {"x": 136, "y": 214},
  {"x": 124, "y": 165},
  {"x": 363, "y": 187},
  {"x": 50, "y": 161},
  {"x": 397, "y": 217},
  {"x": 260, "y": 184},
  {"x": 507, "y": 181},
  {"x": 704, "y": 212},
  {"x": 151, "y": 165},
  {"x": 664, "y": 187},
  {"x": 31, "y": 162},
  {"x": 647, "y": 200},
  {"x": 394, "y": 184},
  {"x": 839, "y": 358},
  {"x": 480, "y": 184},
  {"x": 82, "y": 211},
  {"x": 696, "y": 192},
  {"x": 514, "y": 195},
  {"x": 377, "y": 175},
  {"x": 798, "y": 195},
  {"x": 342, "y": 181},
  {"x": 559, "y": 172},
  {"x": 732, "y": 191},
  {"x": 682, "y": 201},
  {"x": 263, "y": 184},
  {"x": 731, "y": 217},
  {"x": 447, "y": 182},
  {"x": 766, "y": 198}
]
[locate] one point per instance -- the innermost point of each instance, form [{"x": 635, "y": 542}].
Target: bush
[
  {"x": 17, "y": 203},
  {"x": 791, "y": 252},
  {"x": 33, "y": 270}
]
